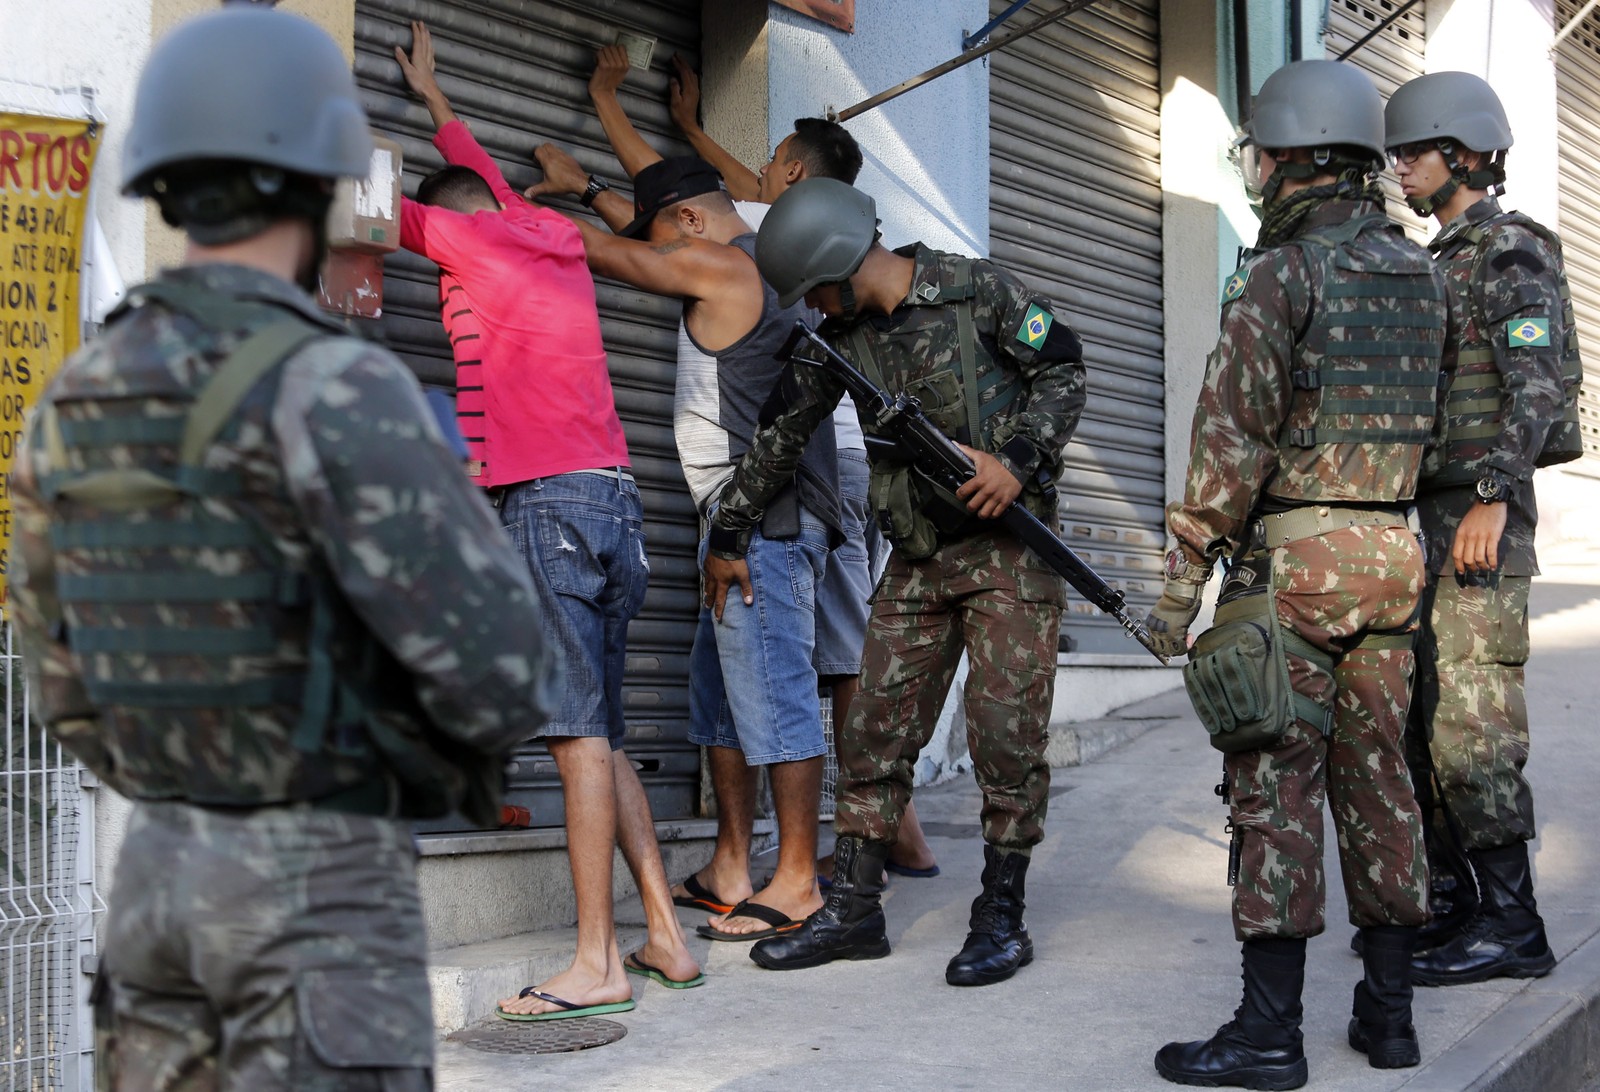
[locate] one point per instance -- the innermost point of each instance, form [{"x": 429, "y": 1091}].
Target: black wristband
[
  {"x": 594, "y": 189},
  {"x": 725, "y": 543}
]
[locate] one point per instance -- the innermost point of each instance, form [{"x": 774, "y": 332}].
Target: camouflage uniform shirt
[
  {"x": 1238, "y": 464},
  {"x": 343, "y": 462},
  {"x": 918, "y": 348},
  {"x": 1516, "y": 280}
]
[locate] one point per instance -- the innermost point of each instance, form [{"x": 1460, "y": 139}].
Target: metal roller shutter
[
  {"x": 1578, "y": 137},
  {"x": 518, "y": 72},
  {"x": 1075, "y": 209},
  {"x": 1392, "y": 58}
]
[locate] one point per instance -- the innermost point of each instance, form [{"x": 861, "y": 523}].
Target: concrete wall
[
  {"x": 86, "y": 43},
  {"x": 927, "y": 152}
]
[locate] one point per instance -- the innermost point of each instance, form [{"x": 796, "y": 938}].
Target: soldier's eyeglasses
[{"x": 1410, "y": 153}]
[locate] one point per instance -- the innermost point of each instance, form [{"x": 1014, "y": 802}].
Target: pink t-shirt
[{"x": 517, "y": 299}]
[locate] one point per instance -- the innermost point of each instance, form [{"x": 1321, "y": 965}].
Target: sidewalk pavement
[{"x": 1129, "y": 914}]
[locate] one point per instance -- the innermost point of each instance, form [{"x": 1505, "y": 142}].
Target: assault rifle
[{"x": 924, "y": 446}]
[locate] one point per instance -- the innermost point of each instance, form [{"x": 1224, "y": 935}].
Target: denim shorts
[
  {"x": 582, "y": 535},
  {"x": 842, "y": 597},
  {"x": 752, "y": 685}
]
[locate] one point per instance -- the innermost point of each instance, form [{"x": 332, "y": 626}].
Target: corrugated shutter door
[
  {"x": 1391, "y": 58},
  {"x": 518, "y": 72},
  {"x": 1075, "y": 210},
  {"x": 1578, "y": 136}
]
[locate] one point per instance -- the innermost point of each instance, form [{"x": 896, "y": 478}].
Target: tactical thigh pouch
[{"x": 1238, "y": 670}]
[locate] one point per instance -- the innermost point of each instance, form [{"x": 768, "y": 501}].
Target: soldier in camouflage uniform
[
  {"x": 257, "y": 595},
  {"x": 1002, "y": 375},
  {"x": 1512, "y": 370},
  {"x": 1308, "y": 438}
]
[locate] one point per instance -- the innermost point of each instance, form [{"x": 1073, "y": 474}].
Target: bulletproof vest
[
  {"x": 1365, "y": 370},
  {"x": 224, "y": 672},
  {"x": 1475, "y": 401},
  {"x": 912, "y": 512}
]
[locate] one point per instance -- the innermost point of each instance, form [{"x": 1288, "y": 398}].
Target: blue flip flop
[{"x": 566, "y": 1011}]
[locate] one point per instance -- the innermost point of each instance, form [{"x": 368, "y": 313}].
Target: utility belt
[
  {"x": 1278, "y": 529},
  {"x": 376, "y": 796}
]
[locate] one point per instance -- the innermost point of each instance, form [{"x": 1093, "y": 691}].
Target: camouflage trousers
[
  {"x": 987, "y": 596},
  {"x": 1334, "y": 590},
  {"x": 280, "y": 948},
  {"x": 1472, "y": 711}
]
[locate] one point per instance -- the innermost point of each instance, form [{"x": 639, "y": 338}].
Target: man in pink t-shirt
[{"x": 536, "y": 409}]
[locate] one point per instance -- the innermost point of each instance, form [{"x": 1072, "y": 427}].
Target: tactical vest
[
  {"x": 1475, "y": 403},
  {"x": 914, "y": 513},
  {"x": 224, "y": 673},
  {"x": 1365, "y": 371}
]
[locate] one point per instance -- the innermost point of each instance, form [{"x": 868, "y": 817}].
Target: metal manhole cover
[{"x": 540, "y": 1037}]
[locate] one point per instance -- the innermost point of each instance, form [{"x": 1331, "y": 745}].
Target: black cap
[{"x": 666, "y": 183}]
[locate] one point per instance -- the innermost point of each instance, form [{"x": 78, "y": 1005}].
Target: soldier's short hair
[
  {"x": 460, "y": 189},
  {"x": 827, "y": 149}
]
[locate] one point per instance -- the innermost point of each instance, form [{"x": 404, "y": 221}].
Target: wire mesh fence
[{"x": 47, "y": 903}]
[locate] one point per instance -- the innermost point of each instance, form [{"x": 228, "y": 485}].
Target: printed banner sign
[{"x": 44, "y": 195}]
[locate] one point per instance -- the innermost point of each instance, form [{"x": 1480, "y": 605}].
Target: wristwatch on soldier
[
  {"x": 594, "y": 189},
  {"x": 1492, "y": 488}
]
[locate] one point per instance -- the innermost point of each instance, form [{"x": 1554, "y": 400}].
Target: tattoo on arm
[{"x": 668, "y": 248}]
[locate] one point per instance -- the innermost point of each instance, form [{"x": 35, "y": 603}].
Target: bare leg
[
  {"x": 636, "y": 834},
  {"x": 734, "y": 783},
  {"x": 596, "y": 975},
  {"x": 796, "y": 792},
  {"x": 912, "y": 849}
]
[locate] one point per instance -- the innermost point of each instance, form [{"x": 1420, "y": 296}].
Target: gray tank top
[{"x": 747, "y": 372}]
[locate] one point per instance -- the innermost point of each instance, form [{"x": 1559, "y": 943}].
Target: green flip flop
[
  {"x": 567, "y": 1010},
  {"x": 634, "y": 965}
]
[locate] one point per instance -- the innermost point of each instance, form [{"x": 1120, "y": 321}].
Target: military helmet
[
  {"x": 1315, "y": 104},
  {"x": 1447, "y": 105},
  {"x": 247, "y": 85},
  {"x": 818, "y": 232}
]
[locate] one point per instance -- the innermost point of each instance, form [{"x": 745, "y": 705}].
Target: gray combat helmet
[
  {"x": 1447, "y": 105},
  {"x": 249, "y": 85},
  {"x": 818, "y": 232},
  {"x": 1455, "y": 110},
  {"x": 1316, "y": 104}
]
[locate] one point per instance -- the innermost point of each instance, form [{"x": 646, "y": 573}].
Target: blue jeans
[
  {"x": 752, "y": 685},
  {"x": 582, "y": 535},
  {"x": 842, "y": 597}
]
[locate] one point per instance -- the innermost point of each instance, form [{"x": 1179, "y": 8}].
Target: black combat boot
[
  {"x": 997, "y": 940},
  {"x": 1381, "y": 1026},
  {"x": 1260, "y": 1047},
  {"x": 1505, "y": 939},
  {"x": 850, "y": 924}
]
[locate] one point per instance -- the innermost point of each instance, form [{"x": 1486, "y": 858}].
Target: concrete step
[
  {"x": 488, "y": 885},
  {"x": 470, "y": 979},
  {"x": 500, "y": 907}
]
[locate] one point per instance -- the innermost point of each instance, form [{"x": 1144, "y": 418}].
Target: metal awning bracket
[{"x": 965, "y": 58}]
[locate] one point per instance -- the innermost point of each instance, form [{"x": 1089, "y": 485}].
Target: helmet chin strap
[
  {"x": 1491, "y": 177},
  {"x": 847, "y": 300}
]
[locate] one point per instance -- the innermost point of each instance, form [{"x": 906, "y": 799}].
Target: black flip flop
[
  {"x": 700, "y": 897},
  {"x": 781, "y": 923}
]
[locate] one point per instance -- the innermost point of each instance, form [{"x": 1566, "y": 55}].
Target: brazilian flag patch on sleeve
[
  {"x": 1528, "y": 333},
  {"x": 1233, "y": 288},
  {"x": 1035, "y": 326}
]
